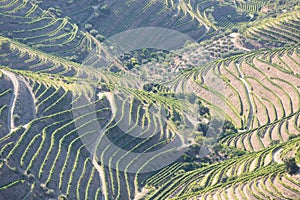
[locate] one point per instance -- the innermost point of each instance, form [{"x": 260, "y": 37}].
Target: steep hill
[{"x": 216, "y": 119}]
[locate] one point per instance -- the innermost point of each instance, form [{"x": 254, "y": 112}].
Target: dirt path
[
  {"x": 110, "y": 98},
  {"x": 98, "y": 167},
  {"x": 142, "y": 194},
  {"x": 12, "y": 104},
  {"x": 18, "y": 83},
  {"x": 248, "y": 92},
  {"x": 102, "y": 178},
  {"x": 276, "y": 156}
]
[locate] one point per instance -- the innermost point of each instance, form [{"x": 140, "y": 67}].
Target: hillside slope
[{"x": 218, "y": 119}]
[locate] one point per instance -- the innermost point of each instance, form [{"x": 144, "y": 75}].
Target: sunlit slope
[
  {"x": 70, "y": 129},
  {"x": 25, "y": 22},
  {"x": 53, "y": 147},
  {"x": 16, "y": 55},
  {"x": 260, "y": 95},
  {"x": 275, "y": 31},
  {"x": 258, "y": 175}
]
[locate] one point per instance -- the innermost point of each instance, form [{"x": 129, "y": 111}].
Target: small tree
[
  {"x": 105, "y": 9},
  {"x": 197, "y": 188},
  {"x": 291, "y": 166},
  {"x": 62, "y": 197},
  {"x": 224, "y": 179},
  {"x": 99, "y": 37},
  {"x": 292, "y": 136},
  {"x": 274, "y": 142},
  {"x": 203, "y": 109}
]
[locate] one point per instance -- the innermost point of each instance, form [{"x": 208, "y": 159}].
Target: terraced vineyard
[
  {"x": 249, "y": 80},
  {"x": 45, "y": 138},
  {"x": 278, "y": 31},
  {"x": 217, "y": 118},
  {"x": 251, "y": 6},
  {"x": 6, "y": 93},
  {"x": 27, "y": 23},
  {"x": 168, "y": 14},
  {"x": 25, "y": 148},
  {"x": 247, "y": 177}
]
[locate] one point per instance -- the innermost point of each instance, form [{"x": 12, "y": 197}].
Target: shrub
[
  {"x": 291, "y": 166},
  {"x": 199, "y": 139},
  {"x": 224, "y": 179},
  {"x": 101, "y": 38},
  {"x": 292, "y": 136},
  {"x": 197, "y": 188},
  {"x": 62, "y": 197},
  {"x": 274, "y": 142},
  {"x": 105, "y": 9},
  {"x": 203, "y": 109},
  {"x": 181, "y": 171},
  {"x": 228, "y": 129},
  {"x": 93, "y": 32},
  {"x": 187, "y": 158},
  {"x": 189, "y": 166}
]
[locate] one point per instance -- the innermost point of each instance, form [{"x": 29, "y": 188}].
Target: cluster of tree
[
  {"x": 218, "y": 129},
  {"x": 291, "y": 166},
  {"x": 189, "y": 166},
  {"x": 227, "y": 151},
  {"x": 105, "y": 9},
  {"x": 142, "y": 56},
  {"x": 203, "y": 110},
  {"x": 131, "y": 63},
  {"x": 197, "y": 188},
  {"x": 89, "y": 27}
]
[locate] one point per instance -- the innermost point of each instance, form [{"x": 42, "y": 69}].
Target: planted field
[
  {"x": 253, "y": 6},
  {"x": 255, "y": 96},
  {"x": 27, "y": 23},
  {"x": 5, "y": 98},
  {"x": 269, "y": 186},
  {"x": 49, "y": 148},
  {"x": 98, "y": 17},
  {"x": 218, "y": 118},
  {"x": 276, "y": 31},
  {"x": 21, "y": 57},
  {"x": 40, "y": 149},
  {"x": 254, "y": 176}
]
